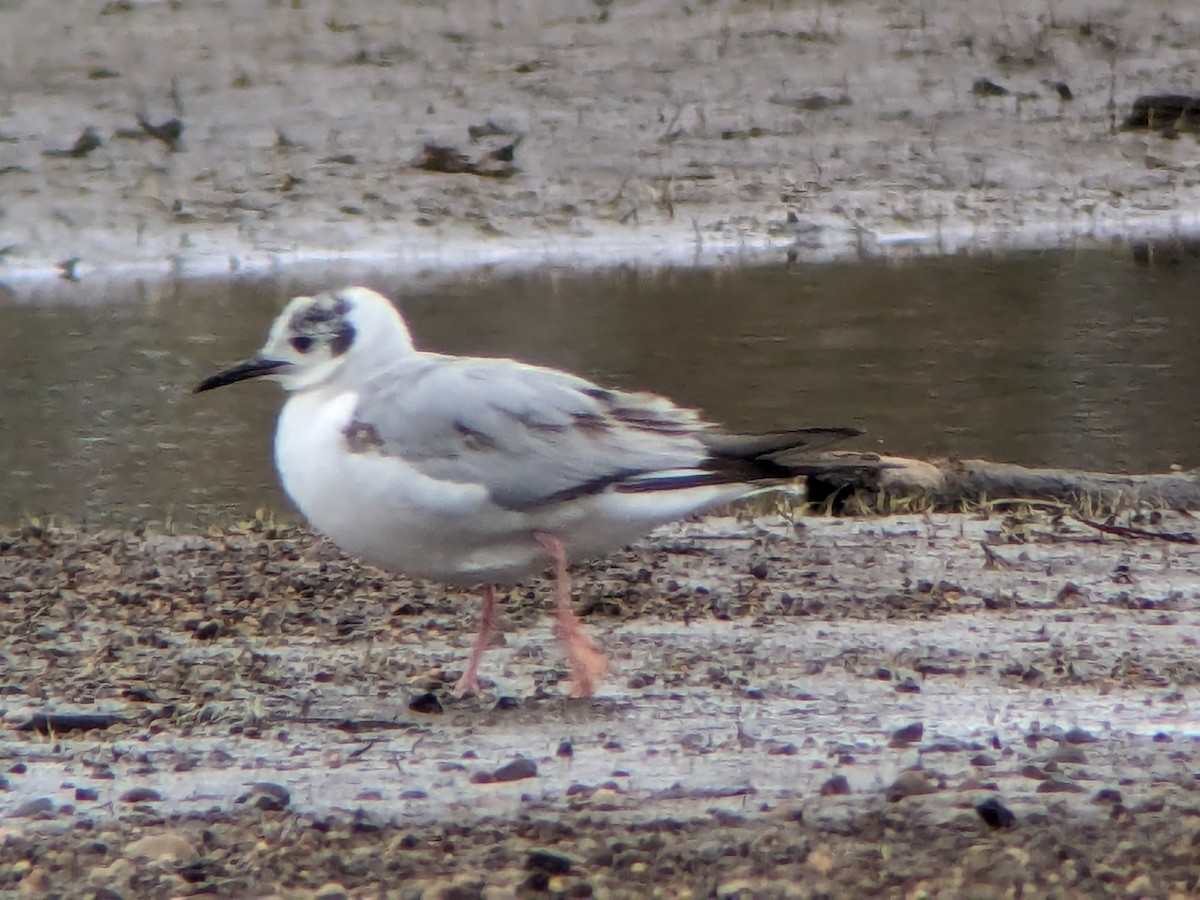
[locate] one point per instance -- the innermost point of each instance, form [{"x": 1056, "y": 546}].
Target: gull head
[{"x": 318, "y": 339}]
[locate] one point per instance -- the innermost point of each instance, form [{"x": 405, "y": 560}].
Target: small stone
[
  {"x": 910, "y": 784},
  {"x": 207, "y": 630},
  {"x": 548, "y": 861},
  {"x": 1058, "y": 786},
  {"x": 908, "y": 734},
  {"x": 86, "y": 794},
  {"x": 267, "y": 796},
  {"x": 171, "y": 845},
  {"x": 517, "y": 770},
  {"x": 141, "y": 795},
  {"x": 427, "y": 703},
  {"x": 836, "y": 786},
  {"x": 1108, "y": 796},
  {"x": 29, "y": 808},
  {"x": 565, "y": 750},
  {"x": 330, "y": 891},
  {"x": 995, "y": 814},
  {"x": 1080, "y": 736},
  {"x": 1070, "y": 755},
  {"x": 983, "y": 759}
]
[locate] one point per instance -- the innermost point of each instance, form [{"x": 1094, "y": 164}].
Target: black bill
[{"x": 251, "y": 368}]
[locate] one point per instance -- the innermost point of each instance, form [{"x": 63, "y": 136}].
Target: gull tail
[
  {"x": 771, "y": 444},
  {"x": 773, "y": 456},
  {"x": 767, "y": 459}
]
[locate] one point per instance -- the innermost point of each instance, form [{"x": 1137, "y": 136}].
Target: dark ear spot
[
  {"x": 301, "y": 343},
  {"x": 342, "y": 338}
]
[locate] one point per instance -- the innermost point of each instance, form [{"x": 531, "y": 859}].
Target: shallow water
[{"x": 1080, "y": 359}]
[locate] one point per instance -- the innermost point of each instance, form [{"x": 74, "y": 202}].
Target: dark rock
[
  {"x": 517, "y": 770},
  {"x": 836, "y": 786},
  {"x": 59, "y": 722},
  {"x": 427, "y": 703},
  {"x": 141, "y": 795},
  {"x": 985, "y": 87},
  {"x": 908, "y": 734},
  {"x": 995, "y": 814},
  {"x": 267, "y": 796},
  {"x": 547, "y": 861},
  {"x": 1163, "y": 111},
  {"x": 206, "y": 630}
]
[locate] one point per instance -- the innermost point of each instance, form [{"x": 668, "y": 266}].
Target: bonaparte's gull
[{"x": 482, "y": 471}]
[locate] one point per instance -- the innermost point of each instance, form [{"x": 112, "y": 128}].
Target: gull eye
[{"x": 301, "y": 343}]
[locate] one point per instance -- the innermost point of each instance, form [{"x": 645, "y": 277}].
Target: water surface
[{"x": 1082, "y": 359}]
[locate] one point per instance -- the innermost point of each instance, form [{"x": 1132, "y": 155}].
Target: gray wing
[{"x": 530, "y": 435}]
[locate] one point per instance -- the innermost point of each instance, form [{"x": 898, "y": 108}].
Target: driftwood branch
[{"x": 949, "y": 483}]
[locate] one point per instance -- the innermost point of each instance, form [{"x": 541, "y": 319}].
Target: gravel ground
[
  {"x": 808, "y": 708},
  {"x": 812, "y": 712}
]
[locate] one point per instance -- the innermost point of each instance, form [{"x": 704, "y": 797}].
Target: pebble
[
  {"x": 267, "y": 796},
  {"x": 908, "y": 734},
  {"x": 520, "y": 768},
  {"x": 141, "y": 795},
  {"x": 171, "y": 845},
  {"x": 910, "y": 784},
  {"x": 548, "y": 861},
  {"x": 30, "y": 808},
  {"x": 1059, "y": 786},
  {"x": 996, "y": 814},
  {"x": 427, "y": 703},
  {"x": 836, "y": 786}
]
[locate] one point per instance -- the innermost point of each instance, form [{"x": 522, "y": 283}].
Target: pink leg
[
  {"x": 469, "y": 682},
  {"x": 587, "y": 663}
]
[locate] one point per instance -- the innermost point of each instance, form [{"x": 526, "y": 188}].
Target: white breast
[{"x": 383, "y": 510}]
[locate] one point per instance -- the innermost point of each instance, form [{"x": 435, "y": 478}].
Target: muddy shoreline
[
  {"x": 795, "y": 711},
  {"x": 815, "y": 702},
  {"x": 655, "y": 134}
]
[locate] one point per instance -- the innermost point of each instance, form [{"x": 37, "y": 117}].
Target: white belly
[
  {"x": 381, "y": 509},
  {"x": 387, "y": 512}
]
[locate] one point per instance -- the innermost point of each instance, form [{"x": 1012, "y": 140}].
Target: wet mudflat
[{"x": 798, "y": 708}]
